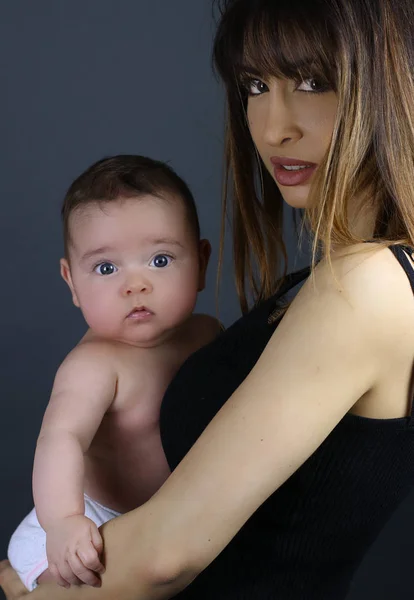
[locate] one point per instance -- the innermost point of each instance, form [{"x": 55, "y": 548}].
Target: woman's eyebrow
[{"x": 248, "y": 69}]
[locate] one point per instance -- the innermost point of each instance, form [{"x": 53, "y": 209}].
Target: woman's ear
[
  {"x": 204, "y": 253},
  {"x": 66, "y": 275}
]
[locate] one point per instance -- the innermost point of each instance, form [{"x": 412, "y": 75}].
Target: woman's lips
[{"x": 295, "y": 176}]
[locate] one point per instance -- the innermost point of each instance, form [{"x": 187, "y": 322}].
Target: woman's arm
[
  {"x": 331, "y": 348},
  {"x": 328, "y": 351},
  {"x": 125, "y": 578},
  {"x": 10, "y": 583}
]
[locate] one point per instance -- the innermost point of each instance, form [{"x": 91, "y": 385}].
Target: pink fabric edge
[{"x": 38, "y": 570}]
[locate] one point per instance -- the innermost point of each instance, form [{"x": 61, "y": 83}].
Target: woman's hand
[
  {"x": 136, "y": 567},
  {"x": 10, "y": 582}
]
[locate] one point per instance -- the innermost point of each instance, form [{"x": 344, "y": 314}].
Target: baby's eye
[
  {"x": 161, "y": 260},
  {"x": 105, "y": 268}
]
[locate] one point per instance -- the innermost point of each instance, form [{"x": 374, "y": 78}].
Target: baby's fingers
[
  {"x": 57, "y": 576},
  {"x": 90, "y": 558},
  {"x": 97, "y": 540},
  {"x": 82, "y": 573}
]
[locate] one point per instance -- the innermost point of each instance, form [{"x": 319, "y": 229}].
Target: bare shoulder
[
  {"x": 369, "y": 284},
  {"x": 204, "y": 327},
  {"x": 89, "y": 356},
  {"x": 206, "y": 322},
  {"x": 84, "y": 389}
]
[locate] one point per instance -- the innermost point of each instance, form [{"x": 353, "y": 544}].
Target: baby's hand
[{"x": 73, "y": 547}]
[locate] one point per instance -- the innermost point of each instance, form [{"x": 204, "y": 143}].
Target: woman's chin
[{"x": 295, "y": 197}]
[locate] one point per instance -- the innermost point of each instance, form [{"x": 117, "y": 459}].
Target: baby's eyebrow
[
  {"x": 108, "y": 249},
  {"x": 170, "y": 241},
  {"x": 88, "y": 255}
]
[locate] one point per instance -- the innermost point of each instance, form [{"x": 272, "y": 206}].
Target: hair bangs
[{"x": 279, "y": 38}]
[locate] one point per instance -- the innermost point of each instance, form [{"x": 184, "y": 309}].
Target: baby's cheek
[
  {"x": 186, "y": 300},
  {"x": 100, "y": 315}
]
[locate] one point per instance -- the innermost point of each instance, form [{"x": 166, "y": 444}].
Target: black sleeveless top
[{"x": 308, "y": 538}]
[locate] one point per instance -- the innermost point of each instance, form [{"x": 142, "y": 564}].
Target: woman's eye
[
  {"x": 312, "y": 85},
  {"x": 105, "y": 268},
  {"x": 255, "y": 87},
  {"x": 161, "y": 260}
]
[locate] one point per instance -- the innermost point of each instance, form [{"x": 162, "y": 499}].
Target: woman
[{"x": 292, "y": 439}]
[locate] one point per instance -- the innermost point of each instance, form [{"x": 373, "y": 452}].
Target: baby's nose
[{"x": 137, "y": 285}]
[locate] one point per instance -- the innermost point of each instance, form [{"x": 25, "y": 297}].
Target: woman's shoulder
[
  {"x": 368, "y": 280},
  {"x": 351, "y": 322},
  {"x": 365, "y": 269}
]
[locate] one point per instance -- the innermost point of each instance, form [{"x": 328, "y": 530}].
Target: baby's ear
[
  {"x": 204, "y": 257},
  {"x": 66, "y": 275}
]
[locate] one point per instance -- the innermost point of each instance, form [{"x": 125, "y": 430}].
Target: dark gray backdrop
[{"x": 81, "y": 79}]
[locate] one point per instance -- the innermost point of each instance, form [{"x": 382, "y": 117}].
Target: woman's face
[{"x": 291, "y": 125}]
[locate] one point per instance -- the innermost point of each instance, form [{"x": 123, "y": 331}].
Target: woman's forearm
[
  {"x": 138, "y": 567},
  {"x": 135, "y": 568}
]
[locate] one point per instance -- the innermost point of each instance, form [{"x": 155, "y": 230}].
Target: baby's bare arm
[{"x": 84, "y": 388}]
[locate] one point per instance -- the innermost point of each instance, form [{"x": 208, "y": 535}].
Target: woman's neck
[{"x": 362, "y": 222}]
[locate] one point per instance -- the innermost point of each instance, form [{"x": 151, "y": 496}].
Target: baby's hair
[{"x": 126, "y": 176}]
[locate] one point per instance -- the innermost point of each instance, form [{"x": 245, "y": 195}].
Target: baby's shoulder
[
  {"x": 90, "y": 353},
  {"x": 88, "y": 371},
  {"x": 204, "y": 327}
]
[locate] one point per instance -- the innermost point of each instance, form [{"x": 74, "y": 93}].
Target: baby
[{"x": 134, "y": 263}]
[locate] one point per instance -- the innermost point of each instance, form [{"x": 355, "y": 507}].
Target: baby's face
[{"x": 134, "y": 268}]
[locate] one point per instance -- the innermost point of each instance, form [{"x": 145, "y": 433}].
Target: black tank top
[{"x": 306, "y": 541}]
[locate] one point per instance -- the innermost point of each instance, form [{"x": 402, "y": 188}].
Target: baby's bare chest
[
  {"x": 131, "y": 424},
  {"x": 125, "y": 463}
]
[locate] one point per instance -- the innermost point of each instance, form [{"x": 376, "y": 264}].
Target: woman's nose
[{"x": 280, "y": 125}]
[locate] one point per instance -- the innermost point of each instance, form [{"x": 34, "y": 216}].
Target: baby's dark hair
[{"x": 126, "y": 176}]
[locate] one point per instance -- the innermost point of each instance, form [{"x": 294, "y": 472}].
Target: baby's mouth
[{"x": 140, "y": 312}]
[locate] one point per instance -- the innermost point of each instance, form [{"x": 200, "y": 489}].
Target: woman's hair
[
  {"x": 364, "y": 49},
  {"x": 126, "y": 176}
]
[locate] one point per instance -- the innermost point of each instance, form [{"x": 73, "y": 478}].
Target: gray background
[{"x": 82, "y": 79}]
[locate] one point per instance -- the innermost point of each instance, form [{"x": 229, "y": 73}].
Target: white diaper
[{"x": 27, "y": 547}]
